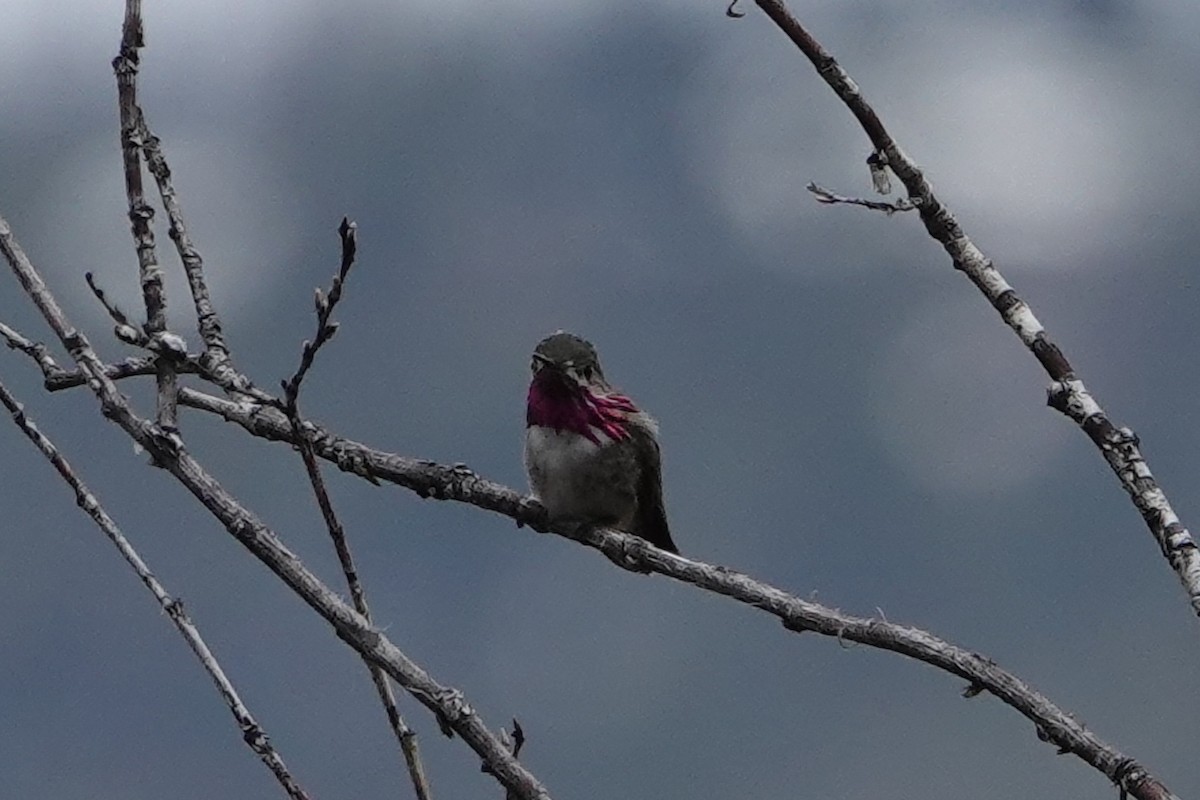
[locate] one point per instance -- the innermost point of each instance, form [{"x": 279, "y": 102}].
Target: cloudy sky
[{"x": 842, "y": 413}]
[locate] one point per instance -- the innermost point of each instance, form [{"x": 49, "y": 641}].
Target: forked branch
[
  {"x": 168, "y": 450},
  {"x": 125, "y": 66},
  {"x": 1067, "y": 392}
]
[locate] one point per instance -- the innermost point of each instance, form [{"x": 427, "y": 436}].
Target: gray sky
[{"x": 842, "y": 413}]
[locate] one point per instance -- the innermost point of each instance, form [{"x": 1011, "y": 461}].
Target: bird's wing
[{"x": 650, "y": 520}]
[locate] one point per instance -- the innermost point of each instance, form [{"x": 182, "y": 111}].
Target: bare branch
[
  {"x": 128, "y": 368},
  {"x": 231, "y": 380},
  {"x": 162, "y": 343},
  {"x": 325, "y": 303},
  {"x": 166, "y": 344},
  {"x": 134, "y": 336},
  {"x": 459, "y": 483},
  {"x": 216, "y": 363},
  {"x": 1067, "y": 393},
  {"x": 35, "y": 350},
  {"x": 425, "y": 478},
  {"x": 252, "y": 733},
  {"x": 56, "y": 378},
  {"x": 125, "y": 66},
  {"x": 208, "y": 321},
  {"x": 228, "y": 379},
  {"x": 823, "y": 195},
  {"x": 406, "y": 737},
  {"x": 168, "y": 451}
]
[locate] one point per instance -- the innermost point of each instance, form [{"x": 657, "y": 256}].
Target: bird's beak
[
  {"x": 547, "y": 363},
  {"x": 551, "y": 370}
]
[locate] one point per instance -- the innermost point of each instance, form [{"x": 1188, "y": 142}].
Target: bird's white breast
[
  {"x": 555, "y": 460},
  {"x": 551, "y": 451}
]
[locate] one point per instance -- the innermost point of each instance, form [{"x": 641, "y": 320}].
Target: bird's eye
[
  {"x": 535, "y": 365},
  {"x": 586, "y": 373}
]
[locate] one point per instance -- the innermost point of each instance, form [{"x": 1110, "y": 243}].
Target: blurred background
[{"x": 842, "y": 414}]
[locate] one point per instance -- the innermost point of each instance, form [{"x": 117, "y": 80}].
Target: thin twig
[
  {"x": 118, "y": 316},
  {"x": 216, "y": 363},
  {"x": 208, "y": 321},
  {"x": 168, "y": 451},
  {"x": 1067, "y": 393},
  {"x": 119, "y": 370},
  {"x": 252, "y": 733},
  {"x": 458, "y": 483},
  {"x": 405, "y": 736},
  {"x": 35, "y": 350},
  {"x": 823, "y": 195},
  {"x": 167, "y": 344},
  {"x": 326, "y": 328},
  {"x": 57, "y": 378},
  {"x": 125, "y": 66}
]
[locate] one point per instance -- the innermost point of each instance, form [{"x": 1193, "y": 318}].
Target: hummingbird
[{"x": 591, "y": 454}]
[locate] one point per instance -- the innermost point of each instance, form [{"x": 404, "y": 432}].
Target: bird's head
[
  {"x": 566, "y": 359},
  {"x": 569, "y": 392}
]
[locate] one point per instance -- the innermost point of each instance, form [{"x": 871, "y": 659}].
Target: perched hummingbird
[{"x": 591, "y": 454}]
